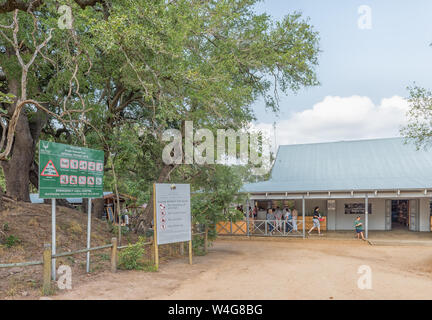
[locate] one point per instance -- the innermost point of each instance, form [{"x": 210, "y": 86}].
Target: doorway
[{"x": 400, "y": 214}]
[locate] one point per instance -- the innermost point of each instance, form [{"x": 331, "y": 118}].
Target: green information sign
[{"x": 67, "y": 171}]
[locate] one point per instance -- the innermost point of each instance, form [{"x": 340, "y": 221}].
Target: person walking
[
  {"x": 316, "y": 221},
  {"x": 358, "y": 225}
]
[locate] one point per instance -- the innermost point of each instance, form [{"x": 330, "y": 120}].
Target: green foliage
[
  {"x": 419, "y": 127},
  {"x": 198, "y": 245},
  {"x": 115, "y": 229},
  {"x": 140, "y": 67},
  {"x": 219, "y": 187},
  {"x": 6, "y": 226},
  {"x": 131, "y": 257},
  {"x": 11, "y": 241},
  {"x": 6, "y": 98}
]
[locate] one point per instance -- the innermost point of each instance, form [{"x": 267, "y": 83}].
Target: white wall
[
  {"x": 424, "y": 215},
  {"x": 342, "y": 221}
]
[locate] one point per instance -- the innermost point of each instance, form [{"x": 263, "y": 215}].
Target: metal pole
[
  {"x": 155, "y": 224},
  {"x": 247, "y": 217},
  {"x": 303, "y": 213},
  {"x": 366, "y": 215},
  {"x": 89, "y": 208},
  {"x": 53, "y": 238}
]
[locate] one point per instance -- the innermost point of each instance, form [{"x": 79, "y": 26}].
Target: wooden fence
[{"x": 47, "y": 258}]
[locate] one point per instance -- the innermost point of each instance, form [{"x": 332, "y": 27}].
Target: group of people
[{"x": 277, "y": 217}]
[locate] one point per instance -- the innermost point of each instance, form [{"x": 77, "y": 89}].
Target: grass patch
[{"x": 11, "y": 241}]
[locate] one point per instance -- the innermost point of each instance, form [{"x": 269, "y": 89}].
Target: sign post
[
  {"x": 155, "y": 242},
  {"x": 67, "y": 171},
  {"x": 89, "y": 209},
  {"x": 53, "y": 237},
  {"x": 171, "y": 216}
]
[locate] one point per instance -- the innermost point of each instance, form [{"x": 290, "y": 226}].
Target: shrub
[
  {"x": 131, "y": 257},
  {"x": 114, "y": 229},
  {"x": 198, "y": 245}
]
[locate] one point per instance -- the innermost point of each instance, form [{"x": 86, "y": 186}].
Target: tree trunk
[
  {"x": 17, "y": 168},
  {"x": 21, "y": 170},
  {"x": 144, "y": 221}
]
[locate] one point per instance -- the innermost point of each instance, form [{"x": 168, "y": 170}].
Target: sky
[{"x": 364, "y": 72}]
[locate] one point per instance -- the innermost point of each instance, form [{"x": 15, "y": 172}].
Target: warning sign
[
  {"x": 67, "y": 171},
  {"x": 49, "y": 170}
]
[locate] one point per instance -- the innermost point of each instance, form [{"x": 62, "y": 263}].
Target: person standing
[
  {"x": 270, "y": 219},
  {"x": 316, "y": 221},
  {"x": 358, "y": 225},
  {"x": 294, "y": 215},
  {"x": 278, "y": 218},
  {"x": 288, "y": 219}
]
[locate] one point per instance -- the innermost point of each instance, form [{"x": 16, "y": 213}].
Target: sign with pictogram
[
  {"x": 67, "y": 171},
  {"x": 92, "y": 166},
  {"x": 74, "y": 164},
  {"x": 173, "y": 213},
  {"x": 82, "y": 179},
  {"x": 49, "y": 170}
]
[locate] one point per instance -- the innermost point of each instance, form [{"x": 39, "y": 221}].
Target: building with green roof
[{"x": 391, "y": 176}]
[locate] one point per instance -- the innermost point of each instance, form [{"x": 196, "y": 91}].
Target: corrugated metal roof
[{"x": 379, "y": 164}]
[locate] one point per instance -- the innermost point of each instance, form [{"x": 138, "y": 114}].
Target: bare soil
[
  {"x": 31, "y": 225},
  {"x": 290, "y": 269}
]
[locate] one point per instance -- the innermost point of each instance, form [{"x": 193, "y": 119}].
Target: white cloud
[{"x": 341, "y": 118}]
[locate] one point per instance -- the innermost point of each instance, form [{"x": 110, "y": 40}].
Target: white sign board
[{"x": 173, "y": 213}]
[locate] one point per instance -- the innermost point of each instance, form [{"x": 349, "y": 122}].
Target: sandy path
[{"x": 295, "y": 269}]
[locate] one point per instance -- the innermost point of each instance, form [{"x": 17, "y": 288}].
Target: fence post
[
  {"x": 114, "y": 255},
  {"x": 46, "y": 288},
  {"x": 206, "y": 240},
  {"x": 190, "y": 252}
]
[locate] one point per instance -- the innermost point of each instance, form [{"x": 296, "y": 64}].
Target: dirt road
[{"x": 293, "y": 269}]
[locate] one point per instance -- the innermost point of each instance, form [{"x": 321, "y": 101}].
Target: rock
[{"x": 25, "y": 294}]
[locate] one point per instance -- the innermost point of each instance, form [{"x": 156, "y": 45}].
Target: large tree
[
  {"x": 419, "y": 127},
  {"x": 133, "y": 69}
]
